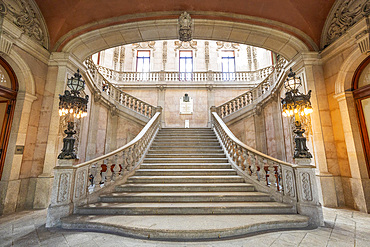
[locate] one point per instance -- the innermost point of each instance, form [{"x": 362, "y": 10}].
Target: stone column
[
  {"x": 10, "y": 182},
  {"x": 278, "y": 129},
  {"x": 112, "y": 125},
  {"x": 323, "y": 137},
  {"x": 210, "y": 102},
  {"x": 360, "y": 182},
  {"x": 161, "y": 90},
  {"x": 55, "y": 85},
  {"x": 259, "y": 123}
]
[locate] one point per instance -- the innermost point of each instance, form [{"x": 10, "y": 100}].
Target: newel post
[
  {"x": 61, "y": 204},
  {"x": 308, "y": 195}
]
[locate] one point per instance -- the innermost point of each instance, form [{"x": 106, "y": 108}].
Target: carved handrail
[
  {"x": 253, "y": 95},
  {"x": 116, "y": 94},
  {"x": 289, "y": 183},
  {"x": 76, "y": 184},
  {"x": 241, "y": 76}
]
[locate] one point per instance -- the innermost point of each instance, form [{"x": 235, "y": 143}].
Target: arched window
[
  {"x": 8, "y": 95},
  {"x": 361, "y": 94}
]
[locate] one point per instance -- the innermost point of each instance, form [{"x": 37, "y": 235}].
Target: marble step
[
  {"x": 190, "y": 208},
  {"x": 216, "y": 150},
  {"x": 176, "y": 197},
  {"x": 185, "y": 187},
  {"x": 186, "y": 179},
  {"x": 182, "y": 144},
  {"x": 186, "y": 166},
  {"x": 184, "y": 172},
  {"x": 189, "y": 227},
  {"x": 182, "y": 135},
  {"x": 201, "y": 146},
  {"x": 185, "y": 160},
  {"x": 187, "y": 155}
]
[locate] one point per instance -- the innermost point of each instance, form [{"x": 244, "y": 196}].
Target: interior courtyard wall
[{"x": 166, "y": 58}]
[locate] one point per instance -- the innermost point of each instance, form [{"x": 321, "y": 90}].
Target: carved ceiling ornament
[
  {"x": 26, "y": 15},
  {"x": 185, "y": 23},
  {"x": 344, "y": 14}
]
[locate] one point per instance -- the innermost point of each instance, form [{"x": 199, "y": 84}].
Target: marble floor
[{"x": 343, "y": 227}]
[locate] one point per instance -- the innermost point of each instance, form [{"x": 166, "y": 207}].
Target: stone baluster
[
  {"x": 139, "y": 106},
  {"x": 108, "y": 173},
  {"x": 97, "y": 176},
  {"x": 253, "y": 167},
  {"x": 272, "y": 176},
  {"x": 245, "y": 159},
  {"x": 116, "y": 168},
  {"x": 232, "y": 106},
  {"x": 262, "y": 172},
  {"x": 131, "y": 102}
]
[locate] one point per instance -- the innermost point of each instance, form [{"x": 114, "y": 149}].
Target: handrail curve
[
  {"x": 254, "y": 95},
  {"x": 75, "y": 184},
  {"x": 285, "y": 182},
  {"x": 114, "y": 93}
]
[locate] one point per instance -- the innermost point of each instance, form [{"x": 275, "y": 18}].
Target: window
[
  {"x": 228, "y": 65},
  {"x": 186, "y": 65},
  {"x": 143, "y": 65}
]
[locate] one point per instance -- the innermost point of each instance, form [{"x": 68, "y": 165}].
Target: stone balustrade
[
  {"x": 243, "y": 76},
  {"x": 288, "y": 183},
  {"x": 253, "y": 95},
  {"x": 76, "y": 184},
  {"x": 116, "y": 94}
]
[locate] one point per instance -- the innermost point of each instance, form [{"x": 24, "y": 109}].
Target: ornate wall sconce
[
  {"x": 72, "y": 106},
  {"x": 297, "y": 105}
]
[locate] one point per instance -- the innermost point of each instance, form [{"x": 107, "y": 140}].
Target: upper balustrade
[{"x": 168, "y": 76}]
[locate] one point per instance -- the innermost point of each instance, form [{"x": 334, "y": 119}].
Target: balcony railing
[
  {"x": 244, "y": 76},
  {"x": 251, "y": 96}
]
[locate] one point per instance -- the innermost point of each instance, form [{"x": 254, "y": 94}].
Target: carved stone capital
[{"x": 5, "y": 45}]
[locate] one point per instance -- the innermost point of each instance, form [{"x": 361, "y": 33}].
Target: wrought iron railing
[
  {"x": 253, "y": 95},
  {"x": 75, "y": 184},
  {"x": 116, "y": 94},
  {"x": 286, "y": 182},
  {"x": 243, "y": 76}
]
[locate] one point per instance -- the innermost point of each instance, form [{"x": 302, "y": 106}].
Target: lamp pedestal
[
  {"x": 68, "y": 150},
  {"x": 301, "y": 150}
]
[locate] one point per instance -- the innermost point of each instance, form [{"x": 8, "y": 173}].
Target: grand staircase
[{"x": 185, "y": 189}]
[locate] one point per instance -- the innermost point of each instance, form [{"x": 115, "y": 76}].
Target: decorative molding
[
  {"x": 289, "y": 186},
  {"x": 206, "y": 54},
  {"x": 187, "y": 45},
  {"x": 164, "y": 55},
  {"x": 143, "y": 45},
  {"x": 5, "y": 45},
  {"x": 3, "y": 9},
  {"x": 63, "y": 193},
  {"x": 115, "y": 57},
  {"x": 122, "y": 58},
  {"x": 249, "y": 57},
  {"x": 26, "y": 15},
  {"x": 185, "y": 23},
  {"x": 363, "y": 40},
  {"x": 344, "y": 14},
  {"x": 227, "y": 46}
]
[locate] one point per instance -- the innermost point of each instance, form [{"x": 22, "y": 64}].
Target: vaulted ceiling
[{"x": 64, "y": 16}]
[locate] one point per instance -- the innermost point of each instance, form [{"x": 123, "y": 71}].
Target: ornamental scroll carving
[
  {"x": 150, "y": 45},
  {"x": 306, "y": 187},
  {"x": 289, "y": 187},
  {"x": 343, "y": 15},
  {"x": 26, "y": 15},
  {"x": 80, "y": 183},
  {"x": 185, "y": 23},
  {"x": 64, "y": 181}
]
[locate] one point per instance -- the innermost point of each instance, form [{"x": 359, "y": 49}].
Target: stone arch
[
  {"x": 25, "y": 97},
  {"x": 288, "y": 45},
  {"x": 347, "y": 71}
]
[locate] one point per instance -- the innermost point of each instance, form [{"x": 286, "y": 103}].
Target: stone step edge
[{"x": 107, "y": 224}]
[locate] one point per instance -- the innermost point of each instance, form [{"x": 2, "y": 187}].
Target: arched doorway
[
  {"x": 8, "y": 95},
  {"x": 361, "y": 94}
]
